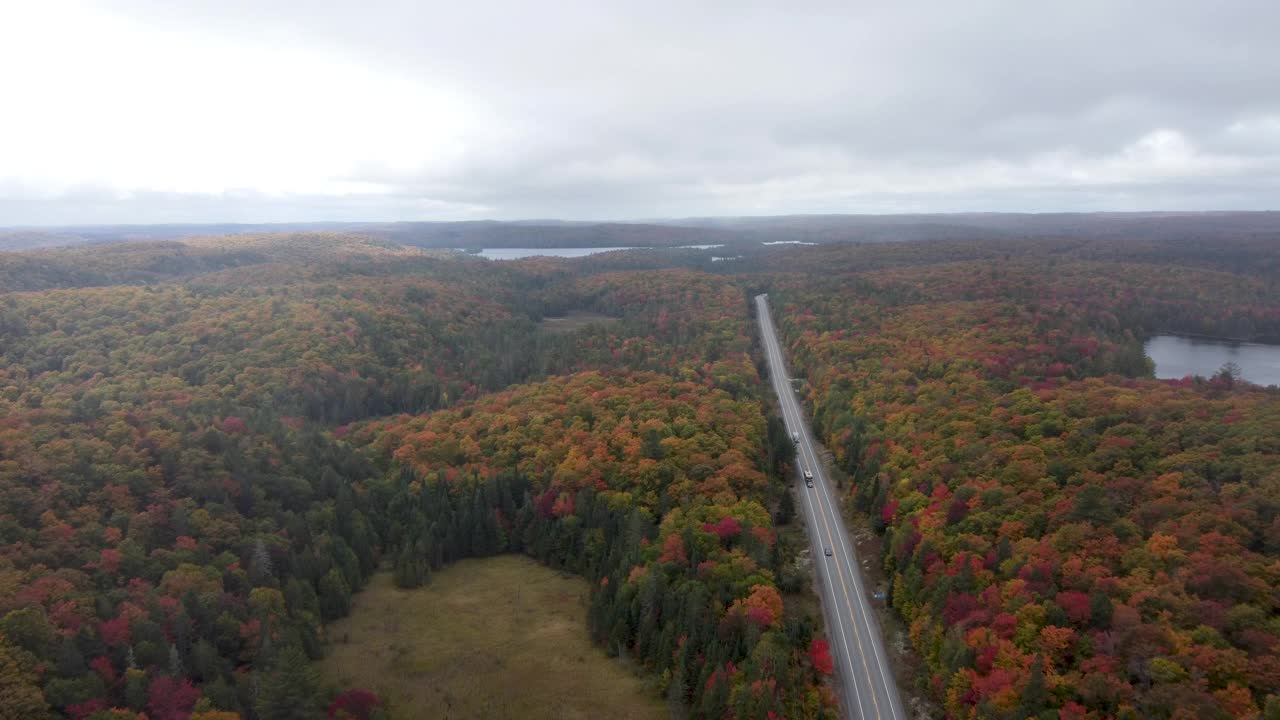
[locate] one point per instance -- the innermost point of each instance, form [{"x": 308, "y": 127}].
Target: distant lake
[
  {"x": 1177, "y": 357},
  {"x": 517, "y": 253}
]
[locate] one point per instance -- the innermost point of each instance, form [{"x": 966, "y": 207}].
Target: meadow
[{"x": 498, "y": 637}]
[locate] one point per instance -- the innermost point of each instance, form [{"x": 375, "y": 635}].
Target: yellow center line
[
  {"x": 780, "y": 387},
  {"x": 857, "y": 634},
  {"x": 812, "y": 458},
  {"x": 844, "y": 640},
  {"x": 866, "y": 616}
]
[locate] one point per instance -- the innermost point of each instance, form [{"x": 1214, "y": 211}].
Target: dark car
[{"x": 826, "y": 551}]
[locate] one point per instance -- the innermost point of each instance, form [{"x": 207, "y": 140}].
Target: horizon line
[{"x": 639, "y": 221}]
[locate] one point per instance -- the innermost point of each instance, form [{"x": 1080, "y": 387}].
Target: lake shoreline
[
  {"x": 1261, "y": 340},
  {"x": 1177, "y": 356}
]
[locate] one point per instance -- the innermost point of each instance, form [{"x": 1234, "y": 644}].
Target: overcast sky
[{"x": 259, "y": 111}]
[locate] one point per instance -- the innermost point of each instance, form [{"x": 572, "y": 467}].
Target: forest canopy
[
  {"x": 208, "y": 447},
  {"x": 1067, "y": 535}
]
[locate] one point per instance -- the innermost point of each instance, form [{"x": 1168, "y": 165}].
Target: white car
[
  {"x": 808, "y": 474},
  {"x": 795, "y": 438}
]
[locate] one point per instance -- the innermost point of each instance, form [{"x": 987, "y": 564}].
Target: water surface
[
  {"x": 1177, "y": 357},
  {"x": 517, "y": 253}
]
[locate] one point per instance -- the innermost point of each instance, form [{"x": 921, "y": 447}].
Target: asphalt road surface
[{"x": 856, "y": 643}]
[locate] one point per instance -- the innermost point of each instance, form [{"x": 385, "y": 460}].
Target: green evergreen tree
[
  {"x": 786, "y": 509},
  {"x": 289, "y": 689},
  {"x": 335, "y": 595},
  {"x": 1034, "y": 694},
  {"x": 135, "y": 688},
  {"x": 1100, "y": 610}
]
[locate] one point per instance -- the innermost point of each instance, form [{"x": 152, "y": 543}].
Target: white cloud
[
  {"x": 105, "y": 101},
  {"x": 140, "y": 110}
]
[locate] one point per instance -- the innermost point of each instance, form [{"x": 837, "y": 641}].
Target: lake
[
  {"x": 517, "y": 253},
  {"x": 1177, "y": 357}
]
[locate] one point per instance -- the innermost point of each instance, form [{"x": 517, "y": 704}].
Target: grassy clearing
[
  {"x": 573, "y": 320},
  {"x": 500, "y": 637}
]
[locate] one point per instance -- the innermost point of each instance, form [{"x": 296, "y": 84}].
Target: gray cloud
[{"x": 590, "y": 111}]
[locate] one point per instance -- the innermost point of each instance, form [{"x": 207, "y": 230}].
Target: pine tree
[
  {"x": 290, "y": 689},
  {"x": 135, "y": 688},
  {"x": 715, "y": 701},
  {"x": 1034, "y": 695},
  {"x": 1100, "y": 610},
  {"x": 335, "y": 595},
  {"x": 260, "y": 570},
  {"x": 786, "y": 509},
  {"x": 175, "y": 662}
]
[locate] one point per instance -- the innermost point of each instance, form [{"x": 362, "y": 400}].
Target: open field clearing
[{"x": 500, "y": 637}]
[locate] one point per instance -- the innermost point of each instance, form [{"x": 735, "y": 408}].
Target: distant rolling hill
[{"x": 1152, "y": 226}]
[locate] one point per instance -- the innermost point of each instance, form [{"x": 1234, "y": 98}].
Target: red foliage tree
[
  {"x": 102, "y": 665},
  {"x": 115, "y": 632},
  {"x": 170, "y": 699},
  {"x": 80, "y": 711},
  {"x": 728, "y": 528},
  {"x": 356, "y": 704},
  {"x": 673, "y": 550},
  {"x": 109, "y": 559},
  {"x": 820, "y": 656},
  {"x": 1075, "y": 604}
]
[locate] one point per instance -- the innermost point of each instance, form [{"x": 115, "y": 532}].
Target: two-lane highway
[{"x": 856, "y": 644}]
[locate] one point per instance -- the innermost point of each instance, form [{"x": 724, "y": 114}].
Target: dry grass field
[
  {"x": 500, "y": 637},
  {"x": 574, "y": 320}
]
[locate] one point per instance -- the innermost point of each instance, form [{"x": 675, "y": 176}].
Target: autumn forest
[{"x": 209, "y": 446}]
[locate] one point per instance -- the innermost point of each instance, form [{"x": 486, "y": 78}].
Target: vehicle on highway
[
  {"x": 869, "y": 689},
  {"x": 795, "y": 438}
]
